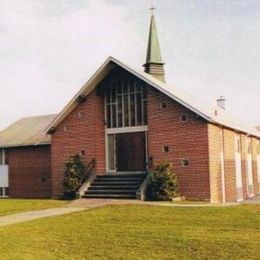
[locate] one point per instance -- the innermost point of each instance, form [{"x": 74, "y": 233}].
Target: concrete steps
[{"x": 117, "y": 186}]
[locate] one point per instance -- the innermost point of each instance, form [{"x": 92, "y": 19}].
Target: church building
[{"x": 123, "y": 122}]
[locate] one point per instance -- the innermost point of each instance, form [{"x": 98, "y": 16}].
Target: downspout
[{"x": 222, "y": 158}]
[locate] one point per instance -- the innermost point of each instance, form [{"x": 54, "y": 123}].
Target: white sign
[{"x": 4, "y": 182}]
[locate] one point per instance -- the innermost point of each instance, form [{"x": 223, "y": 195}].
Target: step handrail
[
  {"x": 91, "y": 165},
  {"x": 141, "y": 193},
  {"x": 87, "y": 178}
]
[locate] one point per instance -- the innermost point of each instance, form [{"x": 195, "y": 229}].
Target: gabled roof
[
  {"x": 26, "y": 131},
  {"x": 189, "y": 102}
]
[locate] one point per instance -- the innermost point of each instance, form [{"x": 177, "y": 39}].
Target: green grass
[
  {"x": 11, "y": 206},
  {"x": 138, "y": 232}
]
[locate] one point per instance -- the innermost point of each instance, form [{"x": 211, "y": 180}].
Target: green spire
[
  {"x": 154, "y": 64},
  {"x": 153, "y": 49}
]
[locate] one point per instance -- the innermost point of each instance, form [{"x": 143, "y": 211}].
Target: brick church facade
[{"x": 128, "y": 121}]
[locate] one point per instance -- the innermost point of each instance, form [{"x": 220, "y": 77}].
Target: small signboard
[{"x": 4, "y": 180}]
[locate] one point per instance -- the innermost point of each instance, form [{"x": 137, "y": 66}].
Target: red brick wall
[
  {"x": 29, "y": 171},
  {"x": 85, "y": 131},
  {"x": 185, "y": 140},
  {"x": 195, "y": 140}
]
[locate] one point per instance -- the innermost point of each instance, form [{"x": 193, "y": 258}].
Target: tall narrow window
[{"x": 126, "y": 104}]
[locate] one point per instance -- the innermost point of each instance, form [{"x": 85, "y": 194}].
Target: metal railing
[
  {"x": 87, "y": 178},
  {"x": 91, "y": 165}
]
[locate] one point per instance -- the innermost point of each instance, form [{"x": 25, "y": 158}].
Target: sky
[{"x": 49, "y": 49}]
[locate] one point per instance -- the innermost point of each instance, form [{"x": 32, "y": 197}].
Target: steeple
[{"x": 154, "y": 64}]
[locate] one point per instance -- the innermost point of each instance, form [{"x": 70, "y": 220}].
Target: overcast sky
[{"x": 49, "y": 49}]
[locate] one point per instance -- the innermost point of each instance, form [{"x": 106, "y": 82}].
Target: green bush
[
  {"x": 163, "y": 183},
  {"x": 74, "y": 170}
]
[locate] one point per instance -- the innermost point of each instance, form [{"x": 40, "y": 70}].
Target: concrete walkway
[
  {"x": 31, "y": 215},
  {"x": 254, "y": 200},
  {"x": 94, "y": 203},
  {"x": 83, "y": 204}
]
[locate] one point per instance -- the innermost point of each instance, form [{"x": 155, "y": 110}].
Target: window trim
[{"x": 128, "y": 129}]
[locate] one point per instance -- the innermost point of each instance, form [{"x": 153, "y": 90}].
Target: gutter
[{"x": 25, "y": 145}]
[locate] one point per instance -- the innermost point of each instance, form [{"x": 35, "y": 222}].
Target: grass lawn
[
  {"x": 138, "y": 232},
  {"x": 11, "y": 206}
]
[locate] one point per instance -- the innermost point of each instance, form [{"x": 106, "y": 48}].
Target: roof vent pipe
[{"x": 221, "y": 102}]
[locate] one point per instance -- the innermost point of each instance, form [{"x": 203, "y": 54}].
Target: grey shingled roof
[{"x": 26, "y": 131}]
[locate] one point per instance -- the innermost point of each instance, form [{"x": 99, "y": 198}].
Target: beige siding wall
[
  {"x": 214, "y": 142},
  {"x": 254, "y": 156},
  {"x": 216, "y": 188},
  {"x": 244, "y": 171},
  {"x": 230, "y": 170}
]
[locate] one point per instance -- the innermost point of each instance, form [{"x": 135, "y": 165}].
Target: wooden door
[{"x": 130, "y": 151}]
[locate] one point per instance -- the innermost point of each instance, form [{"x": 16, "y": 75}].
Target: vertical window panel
[
  {"x": 132, "y": 109},
  {"x": 144, "y": 93},
  {"x": 113, "y": 95},
  {"x": 108, "y": 117},
  {"x": 132, "y": 86},
  {"x": 119, "y": 111},
  {"x": 108, "y": 96},
  {"x": 144, "y": 112},
  {"x": 138, "y": 88},
  {"x": 125, "y": 86},
  {"x": 126, "y": 104},
  {"x": 119, "y": 87},
  {"x": 113, "y": 115},
  {"x": 139, "y": 108},
  {"x": 126, "y": 112}
]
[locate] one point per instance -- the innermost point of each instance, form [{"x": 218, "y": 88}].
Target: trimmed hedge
[
  {"x": 74, "y": 170},
  {"x": 163, "y": 183}
]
